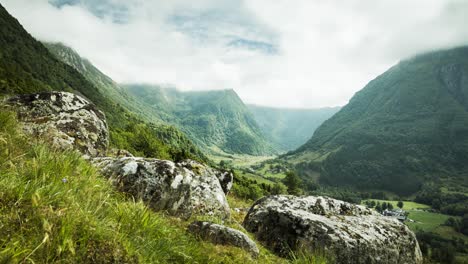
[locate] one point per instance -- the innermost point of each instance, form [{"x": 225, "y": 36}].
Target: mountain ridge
[
  {"x": 216, "y": 118},
  {"x": 27, "y": 66},
  {"x": 409, "y": 126}
]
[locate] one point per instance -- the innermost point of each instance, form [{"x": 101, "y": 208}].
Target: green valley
[
  {"x": 202, "y": 136},
  {"x": 287, "y": 128}
]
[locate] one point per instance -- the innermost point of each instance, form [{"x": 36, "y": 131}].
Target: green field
[
  {"x": 426, "y": 221},
  {"x": 265, "y": 170},
  {"x": 252, "y": 176},
  {"x": 236, "y": 160},
  {"x": 447, "y": 231},
  {"x": 407, "y": 205}
]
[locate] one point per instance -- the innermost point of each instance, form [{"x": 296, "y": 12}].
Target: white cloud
[{"x": 286, "y": 53}]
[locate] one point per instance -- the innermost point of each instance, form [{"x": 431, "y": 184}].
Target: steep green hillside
[
  {"x": 212, "y": 119},
  {"x": 26, "y": 66},
  {"x": 406, "y": 128},
  {"x": 101, "y": 81},
  {"x": 290, "y": 128}
]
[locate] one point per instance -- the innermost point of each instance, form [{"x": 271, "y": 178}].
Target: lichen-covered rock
[
  {"x": 181, "y": 189},
  {"x": 348, "y": 233},
  {"x": 226, "y": 180},
  {"x": 65, "y": 119},
  {"x": 119, "y": 153},
  {"x": 222, "y": 235}
]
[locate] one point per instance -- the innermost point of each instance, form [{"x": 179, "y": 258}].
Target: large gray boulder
[
  {"x": 348, "y": 233},
  {"x": 183, "y": 189},
  {"x": 222, "y": 235},
  {"x": 66, "y": 120}
]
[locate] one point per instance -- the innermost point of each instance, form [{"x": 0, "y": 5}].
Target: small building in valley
[{"x": 399, "y": 214}]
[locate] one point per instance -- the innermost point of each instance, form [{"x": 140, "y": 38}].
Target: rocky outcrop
[
  {"x": 119, "y": 153},
  {"x": 226, "y": 180},
  {"x": 222, "y": 235},
  {"x": 64, "y": 119},
  {"x": 181, "y": 189},
  {"x": 348, "y": 233}
]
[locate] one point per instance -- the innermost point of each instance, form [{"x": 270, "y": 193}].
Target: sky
[{"x": 282, "y": 53}]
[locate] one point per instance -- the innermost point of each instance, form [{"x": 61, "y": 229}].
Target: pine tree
[{"x": 293, "y": 183}]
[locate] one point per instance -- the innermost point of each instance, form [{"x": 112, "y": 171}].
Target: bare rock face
[
  {"x": 183, "y": 189},
  {"x": 348, "y": 233},
  {"x": 65, "y": 119},
  {"x": 222, "y": 235}
]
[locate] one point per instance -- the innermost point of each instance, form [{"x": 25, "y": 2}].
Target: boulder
[
  {"x": 182, "y": 189},
  {"x": 119, "y": 153},
  {"x": 64, "y": 119},
  {"x": 348, "y": 233},
  {"x": 226, "y": 180},
  {"x": 222, "y": 235}
]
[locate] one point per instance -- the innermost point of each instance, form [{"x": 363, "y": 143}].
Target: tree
[
  {"x": 400, "y": 204},
  {"x": 378, "y": 207},
  {"x": 464, "y": 225},
  {"x": 279, "y": 188},
  {"x": 222, "y": 164},
  {"x": 384, "y": 206},
  {"x": 390, "y": 206},
  {"x": 293, "y": 183}
]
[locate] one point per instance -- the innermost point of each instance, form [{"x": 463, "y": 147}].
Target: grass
[
  {"x": 449, "y": 232},
  {"x": 265, "y": 170},
  {"x": 237, "y": 160},
  {"x": 426, "y": 221},
  {"x": 407, "y": 205},
  {"x": 56, "y": 208},
  {"x": 253, "y": 176}
]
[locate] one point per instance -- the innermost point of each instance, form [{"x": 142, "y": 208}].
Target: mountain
[
  {"x": 406, "y": 128},
  {"x": 211, "y": 119},
  {"x": 289, "y": 128},
  {"x": 215, "y": 120},
  {"x": 27, "y": 66},
  {"x": 102, "y": 82}
]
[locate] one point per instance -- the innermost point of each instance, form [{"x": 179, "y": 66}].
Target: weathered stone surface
[
  {"x": 65, "y": 119},
  {"x": 219, "y": 234},
  {"x": 119, "y": 153},
  {"x": 182, "y": 189},
  {"x": 226, "y": 180},
  {"x": 349, "y": 233}
]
